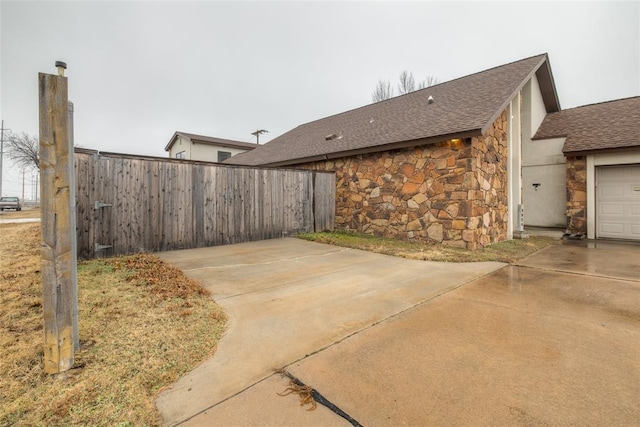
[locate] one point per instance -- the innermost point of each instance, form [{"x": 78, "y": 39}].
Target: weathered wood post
[{"x": 58, "y": 267}]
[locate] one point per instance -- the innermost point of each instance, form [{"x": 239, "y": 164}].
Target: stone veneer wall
[
  {"x": 451, "y": 192},
  {"x": 577, "y": 195}
]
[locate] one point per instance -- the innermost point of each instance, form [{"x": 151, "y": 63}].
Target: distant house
[
  {"x": 205, "y": 148},
  {"x": 601, "y": 143}
]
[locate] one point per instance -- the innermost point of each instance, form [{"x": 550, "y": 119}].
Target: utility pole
[
  {"x": 2, "y": 129},
  {"x": 258, "y": 133},
  {"x": 22, "y": 185}
]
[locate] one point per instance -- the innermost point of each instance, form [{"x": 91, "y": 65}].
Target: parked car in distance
[{"x": 10, "y": 203}]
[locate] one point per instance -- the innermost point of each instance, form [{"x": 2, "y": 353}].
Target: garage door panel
[
  {"x": 614, "y": 190},
  {"x": 618, "y": 202},
  {"x": 611, "y": 209},
  {"x": 612, "y": 228}
]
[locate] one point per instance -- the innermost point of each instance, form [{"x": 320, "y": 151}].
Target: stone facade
[
  {"x": 577, "y": 195},
  {"x": 454, "y": 192}
]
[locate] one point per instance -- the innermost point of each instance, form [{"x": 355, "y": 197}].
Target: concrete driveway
[
  {"x": 287, "y": 299},
  {"x": 553, "y": 340}
]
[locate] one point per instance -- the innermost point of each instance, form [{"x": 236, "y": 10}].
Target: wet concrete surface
[
  {"x": 554, "y": 340},
  {"x": 519, "y": 347},
  {"x": 591, "y": 257}
]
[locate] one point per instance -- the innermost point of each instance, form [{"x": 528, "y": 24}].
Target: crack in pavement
[{"x": 319, "y": 398}]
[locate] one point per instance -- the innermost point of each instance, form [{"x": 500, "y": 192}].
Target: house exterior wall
[
  {"x": 209, "y": 153},
  {"x": 196, "y": 151},
  {"x": 543, "y": 163},
  {"x": 453, "y": 192},
  {"x": 181, "y": 144}
]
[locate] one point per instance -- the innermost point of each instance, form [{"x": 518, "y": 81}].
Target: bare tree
[
  {"x": 383, "y": 91},
  {"x": 407, "y": 83},
  {"x": 24, "y": 149},
  {"x": 429, "y": 81}
]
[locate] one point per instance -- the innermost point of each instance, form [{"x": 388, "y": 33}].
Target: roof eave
[
  {"x": 573, "y": 153},
  {"x": 377, "y": 149},
  {"x": 171, "y": 141},
  {"x": 547, "y": 89},
  {"x": 223, "y": 144}
]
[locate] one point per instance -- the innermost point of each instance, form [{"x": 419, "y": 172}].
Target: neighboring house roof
[
  {"x": 608, "y": 125},
  {"x": 202, "y": 139},
  {"x": 461, "y": 108}
]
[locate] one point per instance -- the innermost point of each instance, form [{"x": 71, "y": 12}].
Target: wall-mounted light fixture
[{"x": 536, "y": 185}]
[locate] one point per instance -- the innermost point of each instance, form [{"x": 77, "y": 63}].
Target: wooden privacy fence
[{"x": 129, "y": 204}]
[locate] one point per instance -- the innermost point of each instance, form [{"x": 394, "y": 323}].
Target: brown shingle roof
[
  {"x": 608, "y": 125},
  {"x": 202, "y": 139},
  {"x": 463, "y": 107}
]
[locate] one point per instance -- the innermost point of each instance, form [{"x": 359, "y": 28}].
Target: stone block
[
  {"x": 454, "y": 243},
  {"x": 420, "y": 198},
  {"x": 406, "y": 169},
  {"x": 452, "y": 210},
  {"x": 468, "y": 235},
  {"x": 441, "y": 164},
  {"x": 363, "y": 183},
  {"x": 415, "y": 225},
  {"x": 410, "y": 188},
  {"x": 473, "y": 222},
  {"x": 458, "y": 224},
  {"x": 417, "y": 178},
  {"x": 435, "y": 232},
  {"x": 486, "y": 219}
]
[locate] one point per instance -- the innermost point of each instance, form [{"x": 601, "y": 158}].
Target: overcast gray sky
[{"x": 140, "y": 70}]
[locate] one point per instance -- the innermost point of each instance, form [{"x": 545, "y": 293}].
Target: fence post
[{"x": 58, "y": 269}]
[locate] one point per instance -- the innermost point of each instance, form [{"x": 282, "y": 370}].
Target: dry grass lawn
[
  {"x": 509, "y": 251},
  {"x": 142, "y": 325},
  {"x": 24, "y": 213}
]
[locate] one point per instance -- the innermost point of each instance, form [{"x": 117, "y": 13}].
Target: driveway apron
[
  {"x": 287, "y": 299},
  {"x": 554, "y": 340}
]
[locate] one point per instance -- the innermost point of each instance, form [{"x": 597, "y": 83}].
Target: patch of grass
[
  {"x": 509, "y": 251},
  {"x": 142, "y": 324}
]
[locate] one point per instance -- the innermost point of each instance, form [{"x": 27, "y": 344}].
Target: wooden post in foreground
[{"x": 57, "y": 257}]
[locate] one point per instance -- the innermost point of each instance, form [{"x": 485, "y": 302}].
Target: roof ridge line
[{"x": 420, "y": 90}]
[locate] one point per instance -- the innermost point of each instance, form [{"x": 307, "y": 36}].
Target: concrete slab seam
[
  {"x": 282, "y": 285},
  {"x": 202, "y": 411},
  {"x": 394, "y": 315},
  {"x": 319, "y": 398},
  {"x": 267, "y": 263},
  {"x": 577, "y": 273}
]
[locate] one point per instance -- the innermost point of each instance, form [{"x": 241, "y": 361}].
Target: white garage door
[{"x": 618, "y": 202}]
